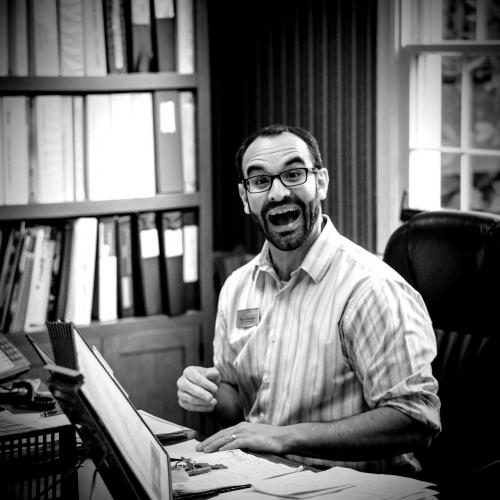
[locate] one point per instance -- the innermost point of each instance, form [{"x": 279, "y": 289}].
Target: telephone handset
[{"x": 12, "y": 360}]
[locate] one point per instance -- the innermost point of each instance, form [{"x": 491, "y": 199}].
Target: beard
[{"x": 288, "y": 230}]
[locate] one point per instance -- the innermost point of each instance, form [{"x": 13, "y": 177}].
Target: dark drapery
[{"x": 306, "y": 63}]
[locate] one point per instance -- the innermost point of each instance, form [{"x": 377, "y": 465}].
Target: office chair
[{"x": 453, "y": 259}]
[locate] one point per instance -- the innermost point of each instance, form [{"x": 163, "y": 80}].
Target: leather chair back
[{"x": 453, "y": 259}]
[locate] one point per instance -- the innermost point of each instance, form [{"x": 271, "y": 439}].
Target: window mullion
[{"x": 465, "y": 127}]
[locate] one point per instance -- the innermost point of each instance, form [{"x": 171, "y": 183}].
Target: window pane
[
  {"x": 450, "y": 101},
  {"x": 425, "y": 180},
  {"x": 485, "y": 73},
  {"x": 450, "y": 181},
  {"x": 493, "y": 20},
  {"x": 459, "y": 19},
  {"x": 485, "y": 183}
]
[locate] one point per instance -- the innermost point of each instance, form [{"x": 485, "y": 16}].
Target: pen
[
  {"x": 199, "y": 470},
  {"x": 298, "y": 469}
]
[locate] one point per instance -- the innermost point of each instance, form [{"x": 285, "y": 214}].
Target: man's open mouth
[{"x": 281, "y": 216}]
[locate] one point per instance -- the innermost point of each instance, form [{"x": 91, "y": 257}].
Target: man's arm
[{"x": 383, "y": 431}]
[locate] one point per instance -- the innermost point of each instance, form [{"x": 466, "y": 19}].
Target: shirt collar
[{"x": 317, "y": 259}]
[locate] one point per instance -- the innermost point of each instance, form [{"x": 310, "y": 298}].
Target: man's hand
[
  {"x": 255, "y": 437},
  {"x": 197, "y": 387}
]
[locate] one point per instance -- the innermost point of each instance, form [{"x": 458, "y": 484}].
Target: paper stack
[{"x": 337, "y": 483}]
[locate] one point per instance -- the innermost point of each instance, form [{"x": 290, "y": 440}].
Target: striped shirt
[{"x": 344, "y": 335}]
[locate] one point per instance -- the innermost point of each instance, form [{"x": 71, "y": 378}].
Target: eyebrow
[{"x": 291, "y": 161}]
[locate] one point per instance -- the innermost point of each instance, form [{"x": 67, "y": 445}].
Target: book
[
  {"x": 94, "y": 38},
  {"x": 101, "y": 178},
  {"x": 172, "y": 256},
  {"x": 81, "y": 271},
  {"x": 9, "y": 244},
  {"x": 20, "y": 288},
  {"x": 4, "y": 38},
  {"x": 18, "y": 37},
  {"x": 190, "y": 272},
  {"x": 47, "y": 172},
  {"x": 106, "y": 275},
  {"x": 168, "y": 153},
  {"x": 38, "y": 296},
  {"x": 2, "y": 161},
  {"x": 164, "y": 34},
  {"x": 68, "y": 149},
  {"x": 43, "y": 38},
  {"x": 116, "y": 36},
  {"x": 185, "y": 37},
  {"x": 9, "y": 280},
  {"x": 80, "y": 193},
  {"x": 71, "y": 38},
  {"x": 148, "y": 263},
  {"x": 15, "y": 119},
  {"x": 140, "y": 46},
  {"x": 126, "y": 281},
  {"x": 188, "y": 141},
  {"x": 60, "y": 272}
]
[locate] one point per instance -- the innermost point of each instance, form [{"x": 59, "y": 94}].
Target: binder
[
  {"x": 94, "y": 38},
  {"x": 185, "y": 36},
  {"x": 43, "y": 38},
  {"x": 4, "y": 38},
  {"x": 188, "y": 140},
  {"x": 60, "y": 269},
  {"x": 81, "y": 271},
  {"x": 164, "y": 34},
  {"x": 191, "y": 260},
  {"x": 104, "y": 305},
  {"x": 168, "y": 153},
  {"x": 148, "y": 259},
  {"x": 18, "y": 37},
  {"x": 71, "y": 37},
  {"x": 172, "y": 252},
  {"x": 116, "y": 36},
  {"x": 126, "y": 281},
  {"x": 140, "y": 48}
]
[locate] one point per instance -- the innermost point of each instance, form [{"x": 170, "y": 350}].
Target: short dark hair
[{"x": 274, "y": 130}]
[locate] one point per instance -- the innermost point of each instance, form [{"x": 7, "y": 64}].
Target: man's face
[{"x": 286, "y": 215}]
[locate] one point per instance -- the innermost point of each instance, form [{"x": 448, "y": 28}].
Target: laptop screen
[{"x": 137, "y": 444}]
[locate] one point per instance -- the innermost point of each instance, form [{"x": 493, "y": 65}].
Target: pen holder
[{"x": 39, "y": 464}]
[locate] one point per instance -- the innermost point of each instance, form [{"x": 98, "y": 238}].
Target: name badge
[{"x": 245, "y": 318}]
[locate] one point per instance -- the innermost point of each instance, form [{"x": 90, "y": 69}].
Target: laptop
[{"x": 129, "y": 457}]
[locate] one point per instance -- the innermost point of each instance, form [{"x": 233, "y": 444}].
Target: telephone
[{"x": 12, "y": 360}]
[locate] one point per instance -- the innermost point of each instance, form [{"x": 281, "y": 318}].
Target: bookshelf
[{"x": 146, "y": 353}]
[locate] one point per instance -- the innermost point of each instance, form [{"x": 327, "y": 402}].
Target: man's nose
[{"x": 278, "y": 190}]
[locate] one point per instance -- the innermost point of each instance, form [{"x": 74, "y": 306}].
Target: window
[{"x": 441, "y": 62}]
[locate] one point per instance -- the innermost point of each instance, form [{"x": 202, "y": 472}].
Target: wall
[{"x": 307, "y": 63}]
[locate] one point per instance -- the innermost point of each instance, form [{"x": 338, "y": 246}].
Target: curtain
[{"x": 305, "y": 63}]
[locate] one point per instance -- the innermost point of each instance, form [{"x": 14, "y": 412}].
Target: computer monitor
[{"x": 130, "y": 458}]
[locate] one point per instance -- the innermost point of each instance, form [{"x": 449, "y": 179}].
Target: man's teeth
[{"x": 281, "y": 210}]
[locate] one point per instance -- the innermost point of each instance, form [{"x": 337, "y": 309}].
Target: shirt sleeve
[
  {"x": 223, "y": 354},
  {"x": 389, "y": 340}
]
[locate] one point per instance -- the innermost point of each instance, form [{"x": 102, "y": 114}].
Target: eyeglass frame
[{"x": 314, "y": 170}]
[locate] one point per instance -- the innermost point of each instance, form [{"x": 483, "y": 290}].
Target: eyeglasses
[{"x": 289, "y": 178}]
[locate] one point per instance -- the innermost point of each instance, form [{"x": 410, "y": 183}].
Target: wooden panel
[{"x": 148, "y": 364}]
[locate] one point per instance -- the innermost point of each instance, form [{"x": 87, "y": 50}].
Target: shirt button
[
  {"x": 262, "y": 414},
  {"x": 273, "y": 338},
  {"x": 265, "y": 379}
]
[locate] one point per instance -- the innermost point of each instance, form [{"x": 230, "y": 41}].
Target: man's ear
[
  {"x": 323, "y": 180},
  {"x": 244, "y": 198}
]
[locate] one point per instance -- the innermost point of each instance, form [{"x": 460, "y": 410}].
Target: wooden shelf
[
  {"x": 126, "y": 82},
  {"x": 41, "y": 211}
]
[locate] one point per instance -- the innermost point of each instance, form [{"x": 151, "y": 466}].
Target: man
[{"x": 321, "y": 352}]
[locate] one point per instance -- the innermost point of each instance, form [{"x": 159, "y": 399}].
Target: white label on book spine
[
  {"x": 126, "y": 292},
  {"x": 167, "y": 117},
  {"x": 190, "y": 261},
  {"x": 164, "y": 9},
  {"x": 149, "y": 244},
  {"x": 173, "y": 242},
  {"x": 140, "y": 12}
]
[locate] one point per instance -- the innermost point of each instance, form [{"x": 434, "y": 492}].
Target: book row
[
  {"x": 95, "y": 37},
  {"x": 101, "y": 269},
  {"x": 64, "y": 148}
]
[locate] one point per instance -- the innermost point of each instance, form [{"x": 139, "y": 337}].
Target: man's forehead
[{"x": 275, "y": 148}]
